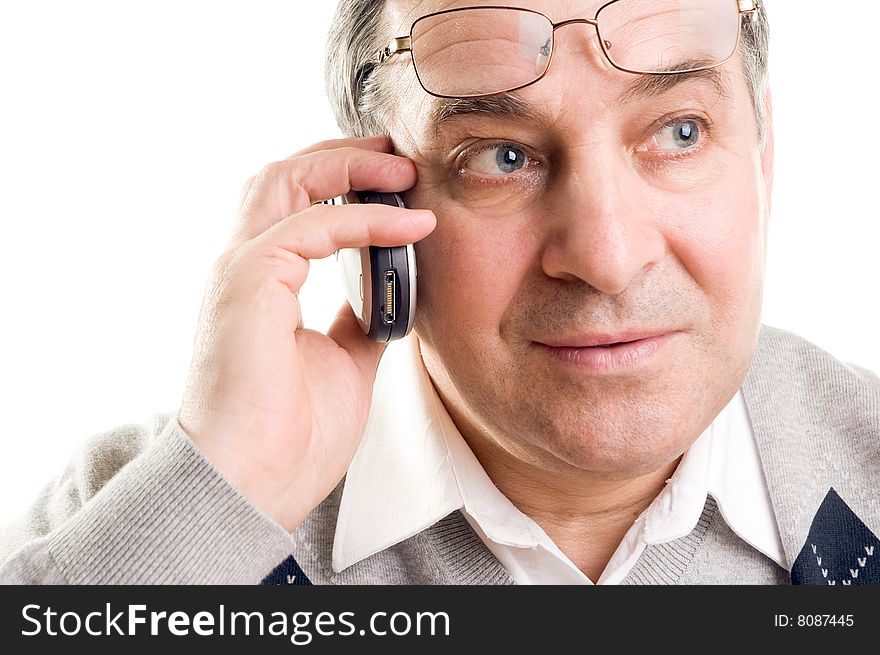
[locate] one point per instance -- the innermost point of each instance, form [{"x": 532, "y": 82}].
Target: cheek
[
  {"x": 469, "y": 272},
  {"x": 721, "y": 245}
]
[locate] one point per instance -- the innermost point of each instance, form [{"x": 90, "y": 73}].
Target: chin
[
  {"x": 621, "y": 446},
  {"x": 619, "y": 430}
]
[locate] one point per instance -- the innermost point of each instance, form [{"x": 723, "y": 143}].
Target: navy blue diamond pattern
[
  {"x": 840, "y": 549},
  {"x": 287, "y": 573}
]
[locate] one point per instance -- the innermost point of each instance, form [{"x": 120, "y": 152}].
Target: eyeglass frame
[{"x": 401, "y": 44}]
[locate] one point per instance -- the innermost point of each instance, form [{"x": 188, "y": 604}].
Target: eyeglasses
[{"x": 479, "y": 51}]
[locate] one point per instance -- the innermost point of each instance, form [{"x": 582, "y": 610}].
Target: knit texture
[
  {"x": 839, "y": 549},
  {"x": 140, "y": 504}
]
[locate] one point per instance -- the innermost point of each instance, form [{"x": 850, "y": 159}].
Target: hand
[{"x": 278, "y": 409}]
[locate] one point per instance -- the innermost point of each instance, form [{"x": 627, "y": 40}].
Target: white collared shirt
[{"x": 413, "y": 468}]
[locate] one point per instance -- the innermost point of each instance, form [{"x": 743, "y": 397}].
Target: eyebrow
[
  {"x": 514, "y": 107},
  {"x": 649, "y": 86},
  {"x": 502, "y": 105}
]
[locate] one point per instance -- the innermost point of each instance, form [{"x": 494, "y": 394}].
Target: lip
[
  {"x": 589, "y": 340},
  {"x": 630, "y": 350}
]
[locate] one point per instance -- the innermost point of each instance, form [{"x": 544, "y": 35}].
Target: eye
[
  {"x": 676, "y": 136},
  {"x": 498, "y": 160}
]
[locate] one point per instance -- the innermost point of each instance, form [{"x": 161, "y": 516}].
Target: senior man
[{"x": 588, "y": 395}]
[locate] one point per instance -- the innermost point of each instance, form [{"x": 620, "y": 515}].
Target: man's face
[{"x": 597, "y": 208}]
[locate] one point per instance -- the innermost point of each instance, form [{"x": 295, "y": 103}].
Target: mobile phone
[{"x": 380, "y": 283}]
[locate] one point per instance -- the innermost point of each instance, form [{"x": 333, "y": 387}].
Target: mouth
[
  {"x": 608, "y": 353},
  {"x": 603, "y": 340}
]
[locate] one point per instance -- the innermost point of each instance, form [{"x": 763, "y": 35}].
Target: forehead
[
  {"x": 624, "y": 87},
  {"x": 404, "y": 12}
]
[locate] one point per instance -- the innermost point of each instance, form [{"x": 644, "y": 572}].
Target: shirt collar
[
  {"x": 400, "y": 481},
  {"x": 724, "y": 463},
  {"x": 413, "y": 468}
]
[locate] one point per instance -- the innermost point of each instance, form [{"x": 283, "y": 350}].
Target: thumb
[{"x": 347, "y": 333}]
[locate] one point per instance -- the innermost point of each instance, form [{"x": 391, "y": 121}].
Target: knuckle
[
  {"x": 283, "y": 176},
  {"x": 223, "y": 262},
  {"x": 268, "y": 171},
  {"x": 286, "y": 171},
  {"x": 272, "y": 172},
  {"x": 248, "y": 184}
]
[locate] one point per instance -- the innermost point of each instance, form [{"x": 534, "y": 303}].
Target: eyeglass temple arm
[{"x": 397, "y": 45}]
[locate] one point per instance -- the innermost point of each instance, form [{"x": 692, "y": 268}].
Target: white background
[{"x": 128, "y": 128}]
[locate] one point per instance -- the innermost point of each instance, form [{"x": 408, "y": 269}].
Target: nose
[{"x": 598, "y": 231}]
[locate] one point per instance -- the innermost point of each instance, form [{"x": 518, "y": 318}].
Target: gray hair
[{"x": 363, "y": 102}]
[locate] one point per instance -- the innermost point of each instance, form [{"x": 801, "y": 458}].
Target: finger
[
  {"x": 347, "y": 333},
  {"x": 321, "y": 230},
  {"x": 290, "y": 186},
  {"x": 377, "y": 143}
]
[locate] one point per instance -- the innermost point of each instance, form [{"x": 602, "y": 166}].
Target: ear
[{"x": 767, "y": 152}]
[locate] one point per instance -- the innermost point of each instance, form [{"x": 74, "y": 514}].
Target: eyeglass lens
[{"x": 483, "y": 50}]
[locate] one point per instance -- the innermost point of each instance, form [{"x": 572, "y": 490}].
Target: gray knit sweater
[{"x": 141, "y": 505}]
